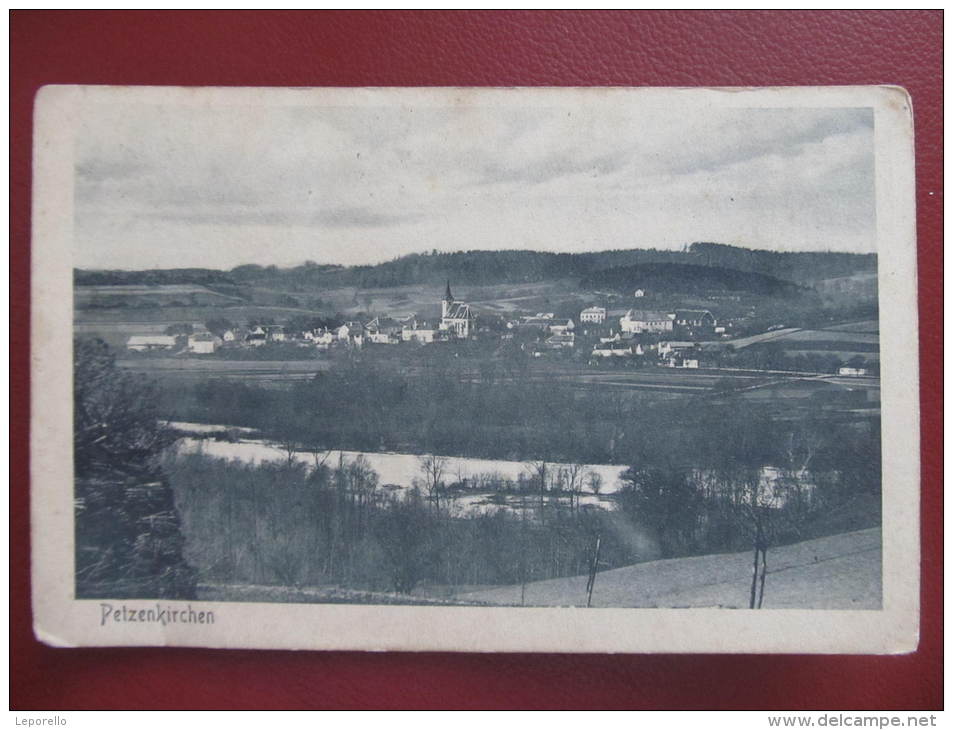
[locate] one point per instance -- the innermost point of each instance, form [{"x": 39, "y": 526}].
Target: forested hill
[
  {"x": 687, "y": 279},
  {"x": 798, "y": 266},
  {"x": 500, "y": 267}
]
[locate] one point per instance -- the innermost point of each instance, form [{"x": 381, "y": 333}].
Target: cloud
[
  {"x": 553, "y": 167},
  {"x": 347, "y": 217},
  {"x": 275, "y": 185},
  {"x": 771, "y": 132}
]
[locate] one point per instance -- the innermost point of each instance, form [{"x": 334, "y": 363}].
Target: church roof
[{"x": 458, "y": 310}]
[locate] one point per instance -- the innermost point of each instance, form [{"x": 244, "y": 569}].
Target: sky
[{"x": 167, "y": 186}]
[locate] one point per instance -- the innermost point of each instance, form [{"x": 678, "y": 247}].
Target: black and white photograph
[{"x": 442, "y": 358}]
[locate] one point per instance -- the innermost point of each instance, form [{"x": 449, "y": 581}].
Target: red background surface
[{"x": 657, "y": 48}]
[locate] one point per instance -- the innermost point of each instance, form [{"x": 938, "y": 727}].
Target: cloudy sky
[{"x": 173, "y": 186}]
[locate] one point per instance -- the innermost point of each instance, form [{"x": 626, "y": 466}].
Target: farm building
[
  {"x": 204, "y": 343},
  {"x": 637, "y": 321},
  {"x": 695, "y": 322},
  {"x": 694, "y": 318},
  {"x": 616, "y": 349},
  {"x": 146, "y": 343}
]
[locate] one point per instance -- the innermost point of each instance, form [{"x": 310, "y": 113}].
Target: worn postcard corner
[{"x": 557, "y": 370}]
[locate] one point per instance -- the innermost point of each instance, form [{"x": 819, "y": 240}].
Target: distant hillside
[
  {"x": 802, "y": 267},
  {"x": 477, "y": 268},
  {"x": 687, "y": 279},
  {"x": 112, "y": 277}
]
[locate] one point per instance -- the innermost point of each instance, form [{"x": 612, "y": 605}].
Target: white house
[
  {"x": 204, "y": 343},
  {"x": 146, "y": 343},
  {"x": 420, "y": 332},
  {"x": 320, "y": 338},
  {"x": 562, "y": 327},
  {"x": 275, "y": 333},
  {"x": 382, "y": 338},
  {"x": 682, "y": 362},
  {"x": 638, "y": 293},
  {"x": 637, "y": 321},
  {"x": 351, "y": 333},
  {"x": 596, "y": 315},
  {"x": 256, "y": 337},
  {"x": 612, "y": 349}
]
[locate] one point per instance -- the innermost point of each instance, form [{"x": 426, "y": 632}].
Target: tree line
[{"x": 499, "y": 267}]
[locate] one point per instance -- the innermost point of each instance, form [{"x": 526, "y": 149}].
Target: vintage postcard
[{"x": 455, "y": 369}]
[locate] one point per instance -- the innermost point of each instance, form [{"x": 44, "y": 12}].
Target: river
[{"x": 396, "y": 469}]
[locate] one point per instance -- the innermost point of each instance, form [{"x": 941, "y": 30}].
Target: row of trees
[
  {"x": 292, "y": 523},
  {"x": 493, "y": 408}
]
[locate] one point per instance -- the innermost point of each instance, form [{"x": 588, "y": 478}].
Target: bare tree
[
  {"x": 320, "y": 456},
  {"x": 575, "y": 476},
  {"x": 538, "y": 472},
  {"x": 290, "y": 446},
  {"x": 595, "y": 482},
  {"x": 757, "y": 509},
  {"x": 433, "y": 467}
]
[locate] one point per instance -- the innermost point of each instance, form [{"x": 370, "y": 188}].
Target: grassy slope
[{"x": 840, "y": 571}]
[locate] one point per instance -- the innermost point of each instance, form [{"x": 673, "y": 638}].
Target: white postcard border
[{"x": 61, "y": 620}]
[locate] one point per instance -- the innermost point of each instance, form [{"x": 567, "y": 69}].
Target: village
[{"x": 596, "y": 336}]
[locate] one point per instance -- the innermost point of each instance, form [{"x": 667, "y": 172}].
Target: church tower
[{"x": 447, "y": 301}]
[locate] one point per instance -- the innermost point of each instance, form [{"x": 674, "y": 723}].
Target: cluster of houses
[
  {"x": 672, "y": 336},
  {"x": 682, "y": 338},
  {"x": 457, "y": 321}
]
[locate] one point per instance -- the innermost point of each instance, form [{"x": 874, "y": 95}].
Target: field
[
  {"x": 194, "y": 369},
  {"x": 870, "y": 326},
  {"x": 837, "y": 572},
  {"x": 843, "y": 341},
  {"x": 116, "y": 326},
  {"x": 149, "y": 296}
]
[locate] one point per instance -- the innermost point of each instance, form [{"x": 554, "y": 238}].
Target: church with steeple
[{"x": 456, "y": 319}]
